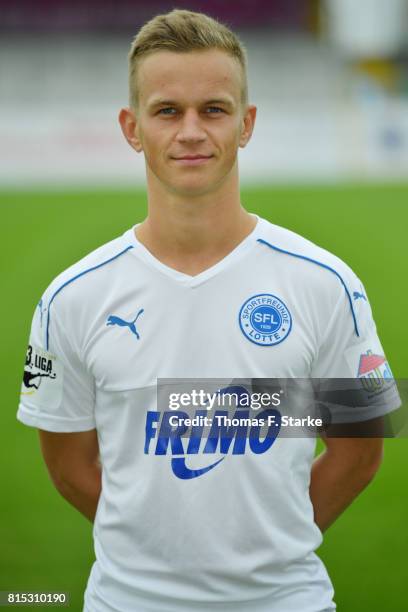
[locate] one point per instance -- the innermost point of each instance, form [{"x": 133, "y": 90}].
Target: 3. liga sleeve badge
[{"x": 265, "y": 320}]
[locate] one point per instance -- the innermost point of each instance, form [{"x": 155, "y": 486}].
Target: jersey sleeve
[
  {"x": 57, "y": 392},
  {"x": 351, "y": 367}
]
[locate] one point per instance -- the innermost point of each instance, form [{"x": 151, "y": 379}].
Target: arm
[
  {"x": 72, "y": 460},
  {"x": 340, "y": 473}
]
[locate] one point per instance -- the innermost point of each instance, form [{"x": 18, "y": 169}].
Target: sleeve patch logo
[
  {"x": 265, "y": 320},
  {"x": 38, "y": 365},
  {"x": 373, "y": 371},
  {"x": 368, "y": 363},
  {"x": 42, "y": 375}
]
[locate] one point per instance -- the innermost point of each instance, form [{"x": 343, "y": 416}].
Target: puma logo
[
  {"x": 114, "y": 320},
  {"x": 357, "y": 295}
]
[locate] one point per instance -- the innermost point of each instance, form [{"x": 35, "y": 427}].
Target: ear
[
  {"x": 248, "y": 123},
  {"x": 130, "y": 128}
]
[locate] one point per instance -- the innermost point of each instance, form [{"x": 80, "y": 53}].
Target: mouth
[{"x": 192, "y": 160}]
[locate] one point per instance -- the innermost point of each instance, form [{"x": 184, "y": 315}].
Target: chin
[
  {"x": 193, "y": 189},
  {"x": 192, "y": 193}
]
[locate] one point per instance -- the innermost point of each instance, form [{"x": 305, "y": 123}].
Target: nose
[{"x": 191, "y": 129}]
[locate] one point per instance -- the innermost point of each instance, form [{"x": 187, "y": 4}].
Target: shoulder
[
  {"x": 324, "y": 278},
  {"x": 88, "y": 267},
  {"x": 296, "y": 251}
]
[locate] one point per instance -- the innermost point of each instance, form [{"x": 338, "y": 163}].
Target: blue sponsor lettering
[{"x": 225, "y": 436}]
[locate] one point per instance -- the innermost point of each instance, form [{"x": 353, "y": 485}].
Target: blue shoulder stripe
[
  {"x": 322, "y": 265},
  {"x": 71, "y": 280}
]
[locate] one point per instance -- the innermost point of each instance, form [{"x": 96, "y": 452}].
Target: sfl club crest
[{"x": 265, "y": 320}]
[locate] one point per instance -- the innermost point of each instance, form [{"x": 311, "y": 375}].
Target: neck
[{"x": 191, "y": 233}]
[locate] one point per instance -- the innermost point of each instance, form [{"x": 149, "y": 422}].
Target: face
[{"x": 190, "y": 120}]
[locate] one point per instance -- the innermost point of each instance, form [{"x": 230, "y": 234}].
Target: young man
[{"x": 200, "y": 289}]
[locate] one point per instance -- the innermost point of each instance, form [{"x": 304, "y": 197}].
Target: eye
[
  {"x": 167, "y": 111},
  {"x": 215, "y": 110}
]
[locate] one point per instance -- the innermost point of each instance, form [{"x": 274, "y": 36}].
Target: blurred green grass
[{"x": 47, "y": 545}]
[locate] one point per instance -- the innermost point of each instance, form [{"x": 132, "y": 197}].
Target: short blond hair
[{"x": 182, "y": 31}]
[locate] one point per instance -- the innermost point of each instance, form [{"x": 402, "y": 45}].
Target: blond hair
[{"x": 182, "y": 31}]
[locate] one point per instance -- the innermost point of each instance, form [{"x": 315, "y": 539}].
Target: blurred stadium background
[{"x": 329, "y": 159}]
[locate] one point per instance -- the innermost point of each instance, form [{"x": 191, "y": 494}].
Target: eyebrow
[{"x": 161, "y": 102}]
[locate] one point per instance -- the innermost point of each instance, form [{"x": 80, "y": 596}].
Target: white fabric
[{"x": 242, "y": 536}]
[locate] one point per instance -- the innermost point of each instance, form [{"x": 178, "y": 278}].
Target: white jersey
[{"x": 181, "y": 526}]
